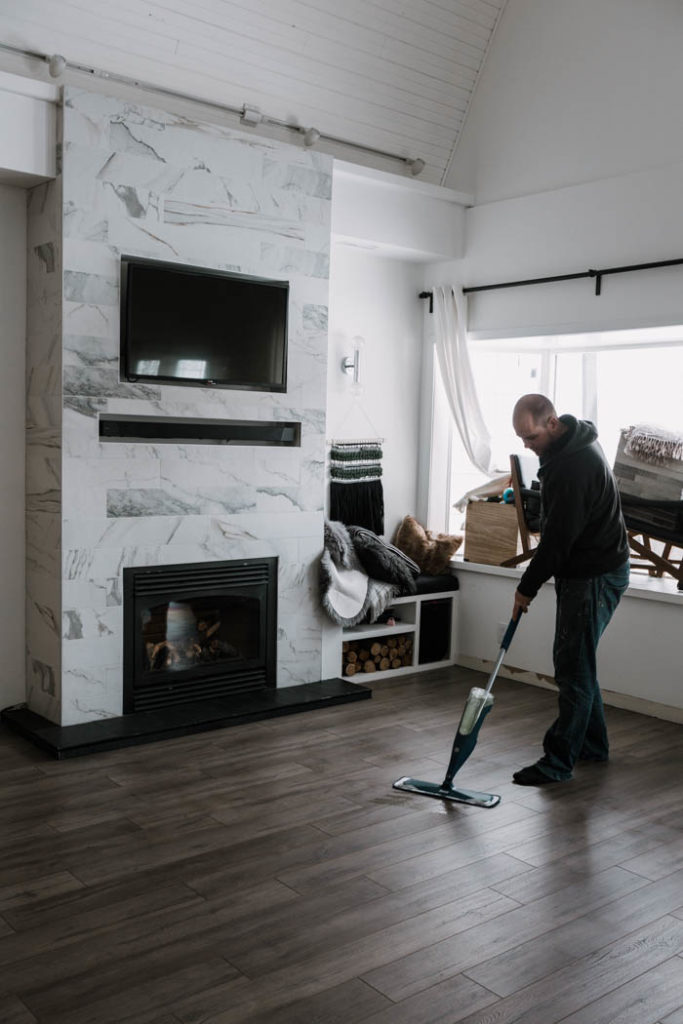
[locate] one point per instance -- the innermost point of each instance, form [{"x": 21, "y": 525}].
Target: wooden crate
[{"x": 491, "y": 533}]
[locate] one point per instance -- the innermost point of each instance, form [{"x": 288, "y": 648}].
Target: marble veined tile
[
  {"x": 220, "y": 215},
  {"x": 315, "y": 317},
  {"x": 160, "y": 185},
  {"x": 243, "y": 195},
  {"x": 44, "y": 214},
  {"x": 284, "y": 260},
  {"x": 89, "y": 222},
  {"x": 237, "y": 466},
  {"x": 90, "y": 692},
  {"x": 91, "y": 257},
  {"x": 86, "y": 623},
  {"x": 93, "y": 289},
  {"x": 104, "y": 383},
  {"x": 310, "y": 181},
  {"x": 174, "y": 501},
  {"x": 43, "y": 691},
  {"x": 90, "y": 594},
  {"x": 91, "y": 352},
  {"x": 90, "y": 318}
]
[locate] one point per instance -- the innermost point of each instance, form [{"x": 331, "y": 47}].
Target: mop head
[{"x": 441, "y": 792}]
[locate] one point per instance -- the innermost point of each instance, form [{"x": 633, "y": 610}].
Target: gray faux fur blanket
[{"x": 347, "y": 594}]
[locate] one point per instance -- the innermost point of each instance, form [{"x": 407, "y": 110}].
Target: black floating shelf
[{"x": 170, "y": 430}]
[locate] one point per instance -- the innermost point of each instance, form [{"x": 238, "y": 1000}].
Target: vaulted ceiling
[{"x": 391, "y": 75}]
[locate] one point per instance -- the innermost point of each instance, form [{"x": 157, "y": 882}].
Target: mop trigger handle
[{"x": 510, "y": 632}]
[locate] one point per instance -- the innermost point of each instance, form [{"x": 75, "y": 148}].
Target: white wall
[
  {"x": 28, "y": 152},
  {"x": 573, "y": 92},
  {"x": 407, "y": 218},
  {"x": 639, "y": 664},
  {"x": 12, "y": 418},
  {"x": 377, "y": 298},
  {"x": 574, "y": 153},
  {"x": 617, "y": 222}
]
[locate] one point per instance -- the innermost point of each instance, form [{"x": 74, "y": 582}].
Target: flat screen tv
[{"x": 192, "y": 326}]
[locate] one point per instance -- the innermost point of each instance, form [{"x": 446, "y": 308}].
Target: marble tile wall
[
  {"x": 44, "y": 449},
  {"x": 148, "y": 183}
]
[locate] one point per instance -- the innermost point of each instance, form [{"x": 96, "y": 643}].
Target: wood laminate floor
[{"x": 270, "y": 873}]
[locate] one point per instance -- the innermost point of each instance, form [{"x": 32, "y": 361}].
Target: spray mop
[{"x": 479, "y": 703}]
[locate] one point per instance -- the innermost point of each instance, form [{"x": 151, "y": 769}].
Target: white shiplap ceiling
[{"x": 394, "y": 75}]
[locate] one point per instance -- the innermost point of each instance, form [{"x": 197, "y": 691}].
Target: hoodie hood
[{"x": 579, "y": 434}]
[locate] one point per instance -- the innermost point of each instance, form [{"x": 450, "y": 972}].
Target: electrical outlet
[{"x": 500, "y": 631}]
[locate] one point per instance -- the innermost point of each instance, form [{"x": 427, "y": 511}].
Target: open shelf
[{"x": 427, "y": 619}]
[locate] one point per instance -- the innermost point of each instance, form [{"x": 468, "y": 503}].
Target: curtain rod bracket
[
  {"x": 430, "y": 296},
  {"x": 597, "y": 274}
]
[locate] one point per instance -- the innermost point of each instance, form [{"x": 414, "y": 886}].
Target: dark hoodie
[{"x": 582, "y": 526}]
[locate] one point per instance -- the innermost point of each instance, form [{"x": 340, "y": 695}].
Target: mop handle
[{"x": 505, "y": 643}]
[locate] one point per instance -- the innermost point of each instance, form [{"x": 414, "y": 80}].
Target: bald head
[
  {"x": 537, "y": 406},
  {"x": 536, "y": 422}
]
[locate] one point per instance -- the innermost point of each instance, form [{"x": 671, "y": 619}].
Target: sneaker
[{"x": 533, "y": 776}]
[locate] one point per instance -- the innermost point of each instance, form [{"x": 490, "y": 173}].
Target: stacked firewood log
[{"x": 378, "y": 655}]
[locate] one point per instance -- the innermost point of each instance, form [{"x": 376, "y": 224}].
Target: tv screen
[{"x": 189, "y": 325}]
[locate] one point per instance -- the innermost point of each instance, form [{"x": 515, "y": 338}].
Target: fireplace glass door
[{"x": 198, "y": 632}]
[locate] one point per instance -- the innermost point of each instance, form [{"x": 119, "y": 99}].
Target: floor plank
[{"x": 270, "y": 874}]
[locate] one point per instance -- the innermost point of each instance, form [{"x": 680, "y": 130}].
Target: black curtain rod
[{"x": 597, "y": 274}]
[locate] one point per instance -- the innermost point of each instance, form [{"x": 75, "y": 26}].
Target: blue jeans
[{"x": 584, "y": 608}]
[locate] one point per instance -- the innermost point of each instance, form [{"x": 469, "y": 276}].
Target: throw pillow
[
  {"x": 383, "y": 561},
  {"x": 432, "y": 553}
]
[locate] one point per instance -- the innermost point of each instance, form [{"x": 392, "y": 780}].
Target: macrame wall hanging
[{"x": 356, "y": 494}]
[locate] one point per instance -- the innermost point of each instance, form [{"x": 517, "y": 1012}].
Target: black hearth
[
  {"x": 197, "y": 632},
  {"x": 191, "y": 683}
]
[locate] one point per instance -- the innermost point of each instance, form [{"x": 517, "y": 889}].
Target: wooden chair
[{"x": 526, "y": 535}]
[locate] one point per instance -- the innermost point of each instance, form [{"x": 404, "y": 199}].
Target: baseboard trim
[{"x": 640, "y": 705}]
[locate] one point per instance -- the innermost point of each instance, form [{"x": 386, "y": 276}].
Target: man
[{"x": 584, "y": 546}]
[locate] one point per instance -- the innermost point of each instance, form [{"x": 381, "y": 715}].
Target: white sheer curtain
[{"x": 450, "y": 306}]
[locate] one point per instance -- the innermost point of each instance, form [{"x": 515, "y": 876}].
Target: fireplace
[{"x": 198, "y": 632}]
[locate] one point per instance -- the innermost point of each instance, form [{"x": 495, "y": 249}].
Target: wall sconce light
[{"x": 352, "y": 364}]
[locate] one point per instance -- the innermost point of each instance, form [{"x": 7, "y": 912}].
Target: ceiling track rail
[{"x": 249, "y": 116}]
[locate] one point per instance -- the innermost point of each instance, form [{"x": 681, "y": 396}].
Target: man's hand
[{"x": 522, "y": 603}]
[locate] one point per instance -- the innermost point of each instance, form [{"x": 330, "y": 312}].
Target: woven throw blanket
[{"x": 652, "y": 444}]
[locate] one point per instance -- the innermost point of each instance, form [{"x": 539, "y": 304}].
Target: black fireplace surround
[{"x": 198, "y": 631}]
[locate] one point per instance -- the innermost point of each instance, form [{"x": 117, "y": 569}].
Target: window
[{"x": 616, "y": 379}]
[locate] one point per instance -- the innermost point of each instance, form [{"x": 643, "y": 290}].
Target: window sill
[{"x": 648, "y": 588}]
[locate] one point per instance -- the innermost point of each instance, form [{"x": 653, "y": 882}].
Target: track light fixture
[
  {"x": 251, "y": 116},
  {"x": 416, "y": 165},
  {"x": 56, "y": 65},
  {"x": 311, "y": 136}
]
